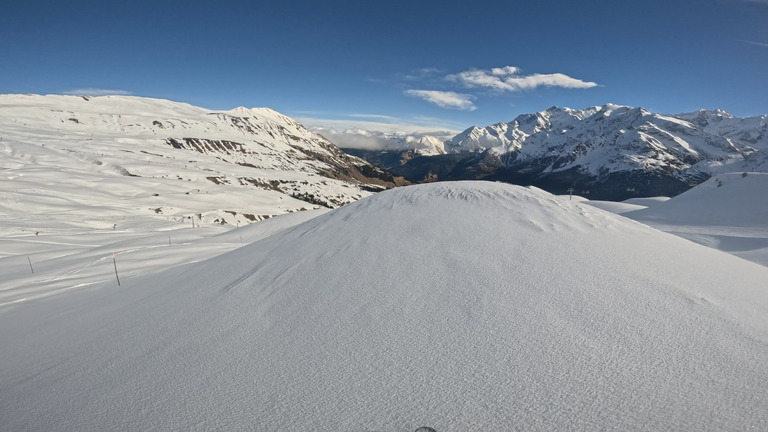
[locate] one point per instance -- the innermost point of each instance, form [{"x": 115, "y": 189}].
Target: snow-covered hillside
[
  {"x": 728, "y": 212},
  {"x": 734, "y": 199},
  {"x": 462, "y": 306},
  {"x": 76, "y": 158}
]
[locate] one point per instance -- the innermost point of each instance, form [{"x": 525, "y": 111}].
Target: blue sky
[{"x": 425, "y": 63}]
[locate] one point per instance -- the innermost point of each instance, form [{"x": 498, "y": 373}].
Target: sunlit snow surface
[
  {"x": 462, "y": 306},
  {"x": 57, "y": 259},
  {"x": 728, "y": 212},
  {"x": 82, "y": 178},
  {"x": 93, "y": 161}
]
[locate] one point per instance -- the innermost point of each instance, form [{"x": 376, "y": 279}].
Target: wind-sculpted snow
[{"x": 462, "y": 306}]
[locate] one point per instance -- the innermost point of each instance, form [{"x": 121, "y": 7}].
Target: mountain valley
[{"x": 608, "y": 152}]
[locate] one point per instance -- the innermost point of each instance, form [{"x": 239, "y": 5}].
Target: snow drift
[{"x": 462, "y": 306}]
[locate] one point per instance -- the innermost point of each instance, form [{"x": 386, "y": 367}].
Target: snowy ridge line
[{"x": 620, "y": 138}]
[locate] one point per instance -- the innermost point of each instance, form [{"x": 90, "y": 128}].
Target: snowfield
[
  {"x": 462, "y": 306},
  {"x": 728, "y": 212},
  {"x": 60, "y": 258}
]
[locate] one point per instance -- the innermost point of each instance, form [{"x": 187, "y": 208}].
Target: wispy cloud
[
  {"x": 97, "y": 92},
  {"x": 409, "y": 125},
  {"x": 373, "y": 116},
  {"x": 760, "y": 44},
  {"x": 334, "y": 114},
  {"x": 509, "y": 79},
  {"x": 422, "y": 73},
  {"x": 445, "y": 99}
]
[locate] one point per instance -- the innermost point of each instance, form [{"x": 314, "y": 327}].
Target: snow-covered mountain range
[
  {"x": 612, "y": 151},
  {"x": 129, "y": 155},
  {"x": 620, "y": 138}
]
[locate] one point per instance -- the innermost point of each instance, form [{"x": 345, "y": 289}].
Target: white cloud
[
  {"x": 761, "y": 44},
  {"x": 314, "y": 116},
  {"x": 97, "y": 92},
  {"x": 378, "y": 140},
  {"x": 506, "y": 70},
  {"x": 373, "y": 116},
  {"x": 445, "y": 99},
  {"x": 414, "y": 125},
  {"x": 508, "y": 79},
  {"x": 392, "y": 133}
]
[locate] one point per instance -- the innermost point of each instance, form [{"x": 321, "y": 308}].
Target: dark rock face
[{"x": 616, "y": 186}]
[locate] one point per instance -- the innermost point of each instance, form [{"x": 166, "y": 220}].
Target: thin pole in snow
[
  {"x": 30, "y": 265},
  {"x": 169, "y": 240},
  {"x": 570, "y": 191},
  {"x": 114, "y": 261}
]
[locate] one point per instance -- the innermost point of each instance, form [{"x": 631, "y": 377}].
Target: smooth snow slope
[
  {"x": 66, "y": 258},
  {"x": 626, "y": 206},
  {"x": 734, "y": 199},
  {"x": 462, "y": 306},
  {"x": 728, "y": 212}
]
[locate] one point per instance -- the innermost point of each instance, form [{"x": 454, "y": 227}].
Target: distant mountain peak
[{"x": 598, "y": 143}]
